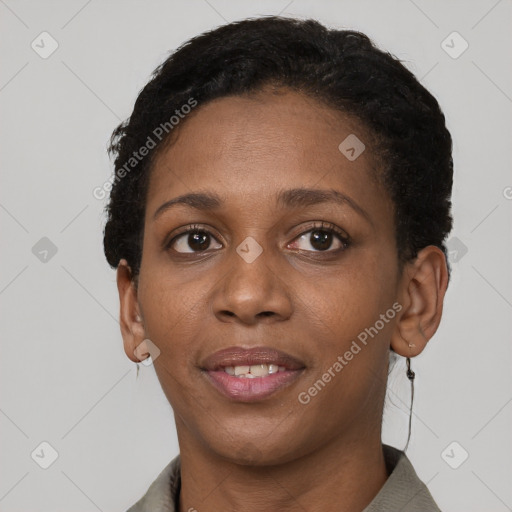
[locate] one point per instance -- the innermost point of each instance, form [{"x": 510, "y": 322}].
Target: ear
[
  {"x": 130, "y": 318},
  {"x": 422, "y": 290}
]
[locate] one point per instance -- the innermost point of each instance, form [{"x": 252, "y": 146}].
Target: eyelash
[{"x": 322, "y": 226}]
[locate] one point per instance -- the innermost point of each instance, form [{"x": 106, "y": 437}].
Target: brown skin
[{"x": 276, "y": 454}]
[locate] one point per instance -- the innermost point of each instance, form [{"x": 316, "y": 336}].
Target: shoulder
[
  {"x": 162, "y": 493},
  {"x": 403, "y": 489}
]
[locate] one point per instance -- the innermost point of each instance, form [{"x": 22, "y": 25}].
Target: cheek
[
  {"x": 168, "y": 308},
  {"x": 361, "y": 312},
  {"x": 177, "y": 319},
  {"x": 172, "y": 321},
  {"x": 352, "y": 340},
  {"x": 351, "y": 301}
]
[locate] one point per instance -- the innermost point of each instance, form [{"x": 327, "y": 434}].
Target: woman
[{"x": 277, "y": 221}]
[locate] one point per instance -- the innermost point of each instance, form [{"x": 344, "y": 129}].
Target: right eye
[{"x": 193, "y": 240}]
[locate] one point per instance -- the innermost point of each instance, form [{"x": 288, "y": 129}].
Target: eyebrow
[{"x": 292, "y": 198}]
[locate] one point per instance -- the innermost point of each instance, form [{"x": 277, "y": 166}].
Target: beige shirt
[{"x": 402, "y": 492}]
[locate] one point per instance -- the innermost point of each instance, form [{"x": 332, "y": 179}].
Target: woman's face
[{"x": 267, "y": 273}]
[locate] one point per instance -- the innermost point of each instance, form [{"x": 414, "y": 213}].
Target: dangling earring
[{"x": 410, "y": 375}]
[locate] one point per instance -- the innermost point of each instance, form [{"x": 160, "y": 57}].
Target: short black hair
[{"x": 342, "y": 68}]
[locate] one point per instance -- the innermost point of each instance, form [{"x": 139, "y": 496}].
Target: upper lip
[{"x": 238, "y": 356}]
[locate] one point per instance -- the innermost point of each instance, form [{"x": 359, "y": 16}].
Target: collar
[{"x": 402, "y": 491}]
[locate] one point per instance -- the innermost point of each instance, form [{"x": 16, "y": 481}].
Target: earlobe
[
  {"x": 130, "y": 320},
  {"x": 423, "y": 288}
]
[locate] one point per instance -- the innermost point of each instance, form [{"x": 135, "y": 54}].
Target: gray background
[{"x": 64, "y": 377}]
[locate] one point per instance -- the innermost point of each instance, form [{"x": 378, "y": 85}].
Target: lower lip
[{"x": 251, "y": 390}]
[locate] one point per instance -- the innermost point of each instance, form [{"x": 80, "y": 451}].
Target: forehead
[{"x": 247, "y": 147}]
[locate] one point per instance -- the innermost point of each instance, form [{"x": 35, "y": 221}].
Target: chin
[{"x": 254, "y": 453}]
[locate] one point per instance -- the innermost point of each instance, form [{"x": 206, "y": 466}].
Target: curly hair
[{"x": 341, "y": 68}]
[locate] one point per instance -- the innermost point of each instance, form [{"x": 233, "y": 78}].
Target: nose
[{"x": 252, "y": 292}]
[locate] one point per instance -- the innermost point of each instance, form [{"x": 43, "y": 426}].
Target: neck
[{"x": 342, "y": 476}]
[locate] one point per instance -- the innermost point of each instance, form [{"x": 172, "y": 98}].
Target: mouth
[{"x": 249, "y": 375}]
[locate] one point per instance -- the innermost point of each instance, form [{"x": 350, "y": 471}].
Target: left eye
[{"x": 321, "y": 239}]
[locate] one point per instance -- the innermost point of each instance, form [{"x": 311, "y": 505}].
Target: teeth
[
  {"x": 273, "y": 368},
  {"x": 256, "y": 370},
  {"x": 259, "y": 370},
  {"x": 241, "y": 370}
]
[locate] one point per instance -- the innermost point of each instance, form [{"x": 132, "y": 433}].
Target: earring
[
  {"x": 142, "y": 351},
  {"x": 410, "y": 373}
]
